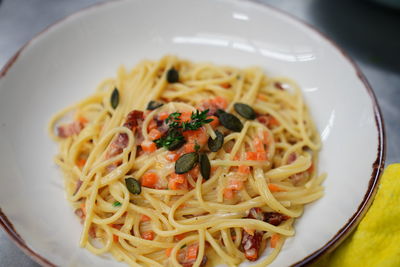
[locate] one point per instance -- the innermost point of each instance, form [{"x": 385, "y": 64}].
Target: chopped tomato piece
[
  {"x": 115, "y": 238},
  {"x": 266, "y": 137},
  {"x": 275, "y": 188},
  {"x": 149, "y": 235},
  {"x": 200, "y": 136},
  {"x": 185, "y": 116},
  {"x": 235, "y": 184},
  {"x": 244, "y": 169},
  {"x": 262, "y": 156},
  {"x": 258, "y": 144},
  {"x": 177, "y": 182},
  {"x": 154, "y": 134},
  {"x": 172, "y": 156},
  {"x": 163, "y": 115},
  {"x": 152, "y": 125},
  {"x": 180, "y": 236},
  {"x": 81, "y": 163},
  {"x": 220, "y": 102},
  {"x": 149, "y": 179},
  {"x": 262, "y": 97},
  {"x": 82, "y": 120},
  {"x": 168, "y": 252},
  {"x": 274, "y": 240},
  {"x": 191, "y": 252},
  {"x": 215, "y": 121},
  {"x": 83, "y": 207},
  {"x": 148, "y": 146},
  {"x": 228, "y": 193},
  {"x": 144, "y": 218},
  {"x": 225, "y": 85},
  {"x": 195, "y": 172}
]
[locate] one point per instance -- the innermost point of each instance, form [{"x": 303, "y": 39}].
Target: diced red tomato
[
  {"x": 172, "y": 156},
  {"x": 152, "y": 125},
  {"x": 168, "y": 252},
  {"x": 148, "y": 146},
  {"x": 177, "y": 182},
  {"x": 144, "y": 218},
  {"x": 149, "y": 235},
  {"x": 180, "y": 236},
  {"x": 274, "y": 240},
  {"x": 229, "y": 193},
  {"x": 154, "y": 134},
  {"x": 200, "y": 136},
  {"x": 244, "y": 169},
  {"x": 191, "y": 252},
  {"x": 189, "y": 147},
  {"x": 275, "y": 188},
  {"x": 225, "y": 85},
  {"x": 149, "y": 179},
  {"x": 250, "y": 155},
  {"x": 235, "y": 184},
  {"x": 214, "y": 124},
  {"x": 163, "y": 115},
  {"x": 185, "y": 116},
  {"x": 258, "y": 144}
]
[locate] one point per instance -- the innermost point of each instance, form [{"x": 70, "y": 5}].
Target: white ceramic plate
[{"x": 67, "y": 61}]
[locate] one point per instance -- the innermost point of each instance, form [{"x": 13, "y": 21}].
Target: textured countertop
[{"x": 368, "y": 33}]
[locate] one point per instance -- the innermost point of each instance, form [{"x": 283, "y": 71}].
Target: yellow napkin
[{"x": 376, "y": 240}]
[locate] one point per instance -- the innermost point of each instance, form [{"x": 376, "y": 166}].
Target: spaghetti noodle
[{"x": 175, "y": 163}]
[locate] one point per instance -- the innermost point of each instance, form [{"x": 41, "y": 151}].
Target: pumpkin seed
[
  {"x": 172, "y": 75},
  {"x": 215, "y": 144},
  {"x": 133, "y": 186},
  {"x": 205, "y": 166},
  {"x": 186, "y": 162},
  {"x": 152, "y": 105},
  {"x": 176, "y": 144},
  {"x": 114, "y": 98},
  {"x": 219, "y": 112},
  {"x": 245, "y": 111},
  {"x": 231, "y": 122}
]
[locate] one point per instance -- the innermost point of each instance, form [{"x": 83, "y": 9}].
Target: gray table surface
[{"x": 367, "y": 32}]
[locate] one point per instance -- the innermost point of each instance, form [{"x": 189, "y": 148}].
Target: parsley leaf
[
  {"x": 172, "y": 140},
  {"x": 117, "y": 204},
  {"x": 198, "y": 119}
]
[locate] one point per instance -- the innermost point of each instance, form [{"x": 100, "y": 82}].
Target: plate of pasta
[{"x": 184, "y": 133}]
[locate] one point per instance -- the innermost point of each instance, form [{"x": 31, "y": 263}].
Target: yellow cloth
[{"x": 376, "y": 240}]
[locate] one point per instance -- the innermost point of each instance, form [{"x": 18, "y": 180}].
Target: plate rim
[{"x": 341, "y": 234}]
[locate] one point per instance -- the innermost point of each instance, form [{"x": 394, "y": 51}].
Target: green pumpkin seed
[
  {"x": 215, "y": 144},
  {"x": 219, "y": 112},
  {"x": 176, "y": 144},
  {"x": 231, "y": 122},
  {"x": 186, "y": 162},
  {"x": 172, "y": 75},
  {"x": 114, "y": 98},
  {"x": 245, "y": 111},
  {"x": 152, "y": 105},
  {"x": 133, "y": 186},
  {"x": 205, "y": 166}
]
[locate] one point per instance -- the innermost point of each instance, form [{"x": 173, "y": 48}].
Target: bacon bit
[
  {"x": 251, "y": 245},
  {"x": 154, "y": 134},
  {"x": 133, "y": 119},
  {"x": 177, "y": 182},
  {"x": 180, "y": 236},
  {"x": 275, "y": 218},
  {"x": 79, "y": 212},
  {"x": 172, "y": 156},
  {"x": 149, "y": 235},
  {"x": 249, "y": 231},
  {"x": 92, "y": 232},
  {"x": 268, "y": 120},
  {"x": 275, "y": 188},
  {"x": 214, "y": 124},
  {"x": 115, "y": 238},
  {"x": 163, "y": 115},
  {"x": 168, "y": 252},
  {"x": 244, "y": 169},
  {"x": 82, "y": 119},
  {"x": 118, "y": 145},
  {"x": 70, "y": 129},
  {"x": 256, "y": 213},
  {"x": 144, "y": 218},
  {"x": 148, "y": 146},
  {"x": 292, "y": 157},
  {"x": 262, "y": 97},
  {"x": 149, "y": 179},
  {"x": 274, "y": 240},
  {"x": 78, "y": 185},
  {"x": 152, "y": 125},
  {"x": 225, "y": 85},
  {"x": 279, "y": 86},
  {"x": 81, "y": 163}
]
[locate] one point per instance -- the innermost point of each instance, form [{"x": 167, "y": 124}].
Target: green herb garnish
[
  {"x": 117, "y": 204},
  {"x": 172, "y": 140},
  {"x": 183, "y": 246},
  {"x": 198, "y": 119},
  {"x": 173, "y": 120}
]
